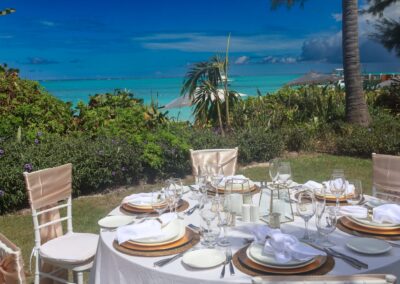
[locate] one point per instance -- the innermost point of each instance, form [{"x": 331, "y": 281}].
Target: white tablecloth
[{"x": 111, "y": 266}]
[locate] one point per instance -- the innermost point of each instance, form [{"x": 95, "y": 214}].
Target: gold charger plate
[
  {"x": 129, "y": 208},
  {"x": 189, "y": 240},
  {"x": 321, "y": 265},
  {"x": 372, "y": 226},
  {"x": 331, "y": 198},
  {"x": 347, "y": 225},
  {"x": 214, "y": 190}
]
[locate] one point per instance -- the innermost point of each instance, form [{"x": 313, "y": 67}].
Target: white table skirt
[{"x": 111, "y": 266}]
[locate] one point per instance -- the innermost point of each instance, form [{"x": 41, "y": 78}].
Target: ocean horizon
[{"x": 164, "y": 90}]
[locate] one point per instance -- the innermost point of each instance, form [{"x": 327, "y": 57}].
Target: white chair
[
  {"x": 386, "y": 177},
  {"x": 323, "y": 279},
  {"x": 49, "y": 191},
  {"x": 11, "y": 263},
  {"x": 225, "y": 159}
]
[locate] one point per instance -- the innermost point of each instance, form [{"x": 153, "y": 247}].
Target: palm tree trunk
[
  {"x": 228, "y": 122},
  {"x": 221, "y": 126},
  {"x": 356, "y": 106}
]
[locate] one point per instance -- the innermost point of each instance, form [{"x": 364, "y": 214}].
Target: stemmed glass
[
  {"x": 209, "y": 213},
  {"x": 326, "y": 223},
  {"x": 197, "y": 191},
  {"x": 337, "y": 186},
  {"x": 306, "y": 209},
  {"x": 159, "y": 202},
  {"x": 274, "y": 170},
  {"x": 174, "y": 191},
  {"x": 355, "y": 195},
  {"x": 284, "y": 172},
  {"x": 224, "y": 216}
]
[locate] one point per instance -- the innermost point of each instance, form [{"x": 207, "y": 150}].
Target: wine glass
[
  {"x": 175, "y": 184},
  {"x": 159, "y": 202},
  {"x": 170, "y": 195},
  {"x": 354, "y": 194},
  {"x": 284, "y": 172},
  {"x": 337, "y": 186},
  {"x": 208, "y": 212},
  {"x": 224, "y": 217},
  {"x": 274, "y": 170},
  {"x": 326, "y": 223},
  {"x": 306, "y": 210},
  {"x": 216, "y": 180}
]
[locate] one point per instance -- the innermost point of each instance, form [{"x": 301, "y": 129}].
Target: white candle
[
  {"x": 254, "y": 213},
  {"x": 246, "y": 213},
  {"x": 236, "y": 203}
]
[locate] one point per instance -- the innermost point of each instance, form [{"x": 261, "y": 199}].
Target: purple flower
[
  {"x": 37, "y": 141},
  {"x": 39, "y": 133},
  {"x": 113, "y": 173},
  {"x": 28, "y": 167},
  {"x": 1, "y": 152},
  {"x": 2, "y": 193}
]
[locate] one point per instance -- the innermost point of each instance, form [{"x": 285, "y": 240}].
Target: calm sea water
[{"x": 164, "y": 89}]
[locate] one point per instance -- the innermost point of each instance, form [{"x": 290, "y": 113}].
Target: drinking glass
[
  {"x": 209, "y": 213},
  {"x": 326, "y": 223},
  {"x": 354, "y": 193},
  {"x": 337, "y": 186},
  {"x": 170, "y": 195},
  {"x": 174, "y": 190},
  {"x": 159, "y": 202},
  {"x": 273, "y": 170},
  {"x": 224, "y": 219},
  {"x": 306, "y": 209},
  {"x": 197, "y": 191},
  {"x": 284, "y": 172}
]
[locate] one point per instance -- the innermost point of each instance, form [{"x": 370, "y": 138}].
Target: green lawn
[{"x": 88, "y": 210}]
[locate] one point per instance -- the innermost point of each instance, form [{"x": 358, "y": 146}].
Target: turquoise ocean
[{"x": 162, "y": 89}]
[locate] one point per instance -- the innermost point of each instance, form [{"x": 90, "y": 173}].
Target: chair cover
[
  {"x": 386, "y": 176},
  {"x": 225, "y": 158},
  {"x": 11, "y": 263},
  {"x": 45, "y": 189},
  {"x": 354, "y": 279}
]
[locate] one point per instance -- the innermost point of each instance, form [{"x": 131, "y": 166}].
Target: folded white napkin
[
  {"x": 139, "y": 198},
  {"x": 316, "y": 185},
  {"x": 354, "y": 211},
  {"x": 286, "y": 247},
  {"x": 387, "y": 213},
  {"x": 258, "y": 231},
  {"x": 312, "y": 185},
  {"x": 146, "y": 229},
  {"x": 236, "y": 177}
]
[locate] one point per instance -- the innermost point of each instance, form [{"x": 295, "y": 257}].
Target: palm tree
[
  {"x": 356, "y": 106},
  {"x": 201, "y": 83}
]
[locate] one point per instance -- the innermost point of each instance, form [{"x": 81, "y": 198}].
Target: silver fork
[
  {"x": 222, "y": 275},
  {"x": 229, "y": 258}
]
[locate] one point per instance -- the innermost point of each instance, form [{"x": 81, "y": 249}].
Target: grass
[{"x": 88, "y": 210}]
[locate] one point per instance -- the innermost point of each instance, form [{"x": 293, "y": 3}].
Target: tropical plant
[
  {"x": 202, "y": 83},
  {"x": 7, "y": 11},
  {"x": 356, "y": 106}
]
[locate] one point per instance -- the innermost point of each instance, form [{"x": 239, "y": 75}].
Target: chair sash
[
  {"x": 386, "y": 175},
  {"x": 45, "y": 189},
  {"x": 11, "y": 263},
  {"x": 224, "y": 158}
]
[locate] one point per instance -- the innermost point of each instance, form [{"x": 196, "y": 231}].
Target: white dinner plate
[
  {"x": 238, "y": 187},
  {"x": 170, "y": 232},
  {"x": 375, "y": 202},
  {"x": 254, "y": 252},
  {"x": 112, "y": 222},
  {"x": 372, "y": 224},
  {"x": 203, "y": 258},
  {"x": 368, "y": 245}
]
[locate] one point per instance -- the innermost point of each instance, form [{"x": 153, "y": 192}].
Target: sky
[{"x": 67, "y": 39}]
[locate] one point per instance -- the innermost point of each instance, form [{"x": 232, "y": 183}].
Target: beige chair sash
[
  {"x": 354, "y": 279},
  {"x": 386, "y": 175},
  {"x": 11, "y": 263},
  {"x": 46, "y": 188},
  {"x": 225, "y": 158}
]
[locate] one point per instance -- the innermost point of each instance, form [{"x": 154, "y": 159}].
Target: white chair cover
[
  {"x": 11, "y": 263},
  {"x": 224, "y": 158},
  {"x": 386, "y": 177},
  {"x": 337, "y": 279}
]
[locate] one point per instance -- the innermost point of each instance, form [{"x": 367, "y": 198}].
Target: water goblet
[
  {"x": 326, "y": 223},
  {"x": 224, "y": 219},
  {"x": 284, "y": 173},
  {"x": 274, "y": 170},
  {"x": 159, "y": 202},
  {"x": 354, "y": 193},
  {"x": 337, "y": 186},
  {"x": 306, "y": 210},
  {"x": 208, "y": 213}
]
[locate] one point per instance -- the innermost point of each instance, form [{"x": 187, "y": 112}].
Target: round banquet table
[{"x": 112, "y": 266}]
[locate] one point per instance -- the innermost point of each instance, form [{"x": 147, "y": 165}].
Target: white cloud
[
  {"x": 47, "y": 23},
  {"x": 337, "y": 17},
  {"x": 242, "y": 60},
  {"x": 200, "y": 42}
]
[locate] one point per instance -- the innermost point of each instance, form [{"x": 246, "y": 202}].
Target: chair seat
[{"x": 70, "y": 249}]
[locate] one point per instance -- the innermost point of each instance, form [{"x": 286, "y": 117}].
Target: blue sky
[{"x": 96, "y": 39}]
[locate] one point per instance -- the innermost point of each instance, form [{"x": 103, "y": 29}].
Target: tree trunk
[
  {"x": 221, "y": 125},
  {"x": 356, "y": 106}
]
